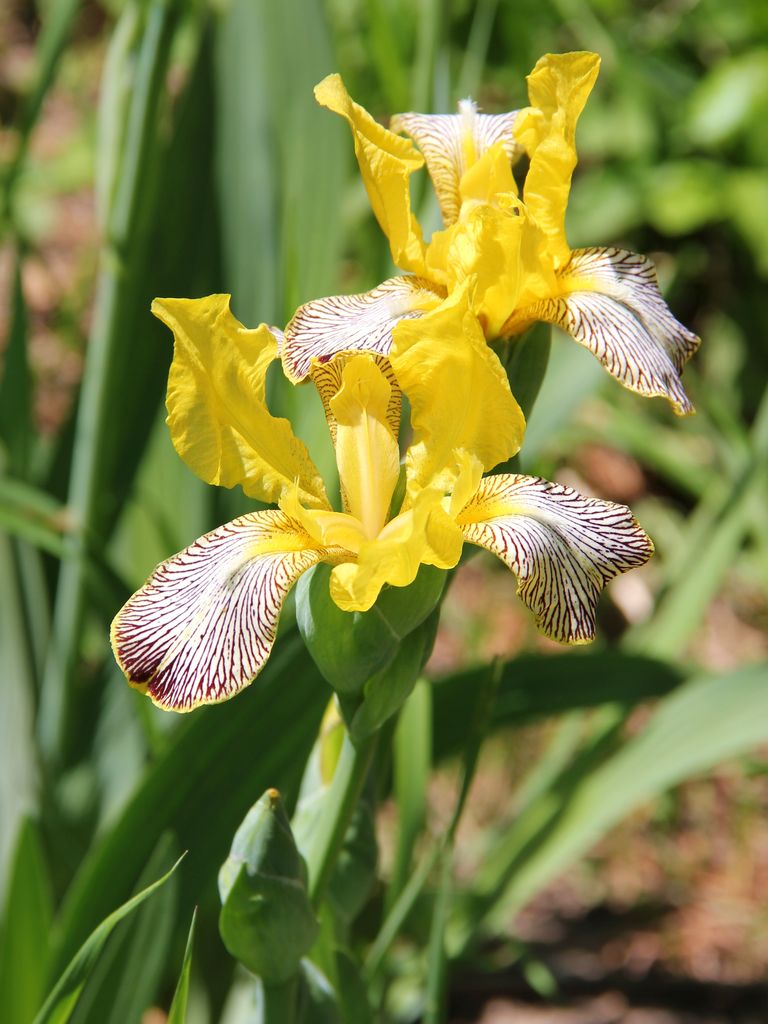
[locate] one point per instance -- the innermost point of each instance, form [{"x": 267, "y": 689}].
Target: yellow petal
[
  {"x": 386, "y": 163},
  {"x": 204, "y": 623},
  {"x": 459, "y": 394},
  {"x": 327, "y": 378},
  {"x": 217, "y": 412},
  {"x": 452, "y": 143},
  {"x": 367, "y": 453},
  {"x": 609, "y": 301},
  {"x": 322, "y": 328},
  {"x": 562, "y": 546},
  {"x": 558, "y": 88},
  {"x": 422, "y": 535},
  {"x": 483, "y": 247}
]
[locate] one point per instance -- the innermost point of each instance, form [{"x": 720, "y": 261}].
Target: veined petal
[
  {"x": 217, "y": 412},
  {"x": 611, "y": 304},
  {"x": 203, "y": 624},
  {"x": 424, "y": 534},
  {"x": 562, "y": 546},
  {"x": 386, "y": 163},
  {"x": 459, "y": 394},
  {"x": 451, "y": 143},
  {"x": 327, "y": 379},
  {"x": 558, "y": 88},
  {"x": 322, "y": 328}
]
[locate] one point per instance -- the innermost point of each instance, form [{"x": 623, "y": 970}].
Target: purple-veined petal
[
  {"x": 362, "y": 323},
  {"x": 202, "y": 626},
  {"x": 562, "y": 546}
]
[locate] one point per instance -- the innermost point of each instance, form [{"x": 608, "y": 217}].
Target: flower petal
[
  {"x": 459, "y": 393},
  {"x": 423, "y": 535},
  {"x": 558, "y": 88},
  {"x": 327, "y": 378},
  {"x": 322, "y": 328},
  {"x": 451, "y": 143},
  {"x": 386, "y": 163},
  {"x": 203, "y": 624},
  {"x": 217, "y": 412},
  {"x": 562, "y": 546},
  {"x": 612, "y": 305}
]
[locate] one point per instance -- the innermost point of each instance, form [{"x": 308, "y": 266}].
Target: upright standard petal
[
  {"x": 562, "y": 546},
  {"x": 366, "y": 447},
  {"x": 327, "y": 378},
  {"x": 322, "y": 328},
  {"x": 610, "y": 302},
  {"x": 451, "y": 143},
  {"x": 217, "y": 412},
  {"x": 558, "y": 88},
  {"x": 459, "y": 394},
  {"x": 386, "y": 163},
  {"x": 203, "y": 624}
]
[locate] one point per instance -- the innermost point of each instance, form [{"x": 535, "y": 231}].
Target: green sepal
[
  {"x": 266, "y": 920},
  {"x": 351, "y": 647},
  {"x": 386, "y": 692}
]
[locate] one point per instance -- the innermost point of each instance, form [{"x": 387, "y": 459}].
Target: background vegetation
[{"x": 153, "y": 147}]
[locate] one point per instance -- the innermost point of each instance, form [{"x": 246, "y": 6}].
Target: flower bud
[
  {"x": 266, "y": 920},
  {"x": 351, "y": 647}
]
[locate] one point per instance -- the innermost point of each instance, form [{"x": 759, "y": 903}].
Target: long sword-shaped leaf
[
  {"x": 63, "y": 998},
  {"x": 703, "y": 723},
  {"x": 26, "y": 929},
  {"x": 178, "y": 1011}
]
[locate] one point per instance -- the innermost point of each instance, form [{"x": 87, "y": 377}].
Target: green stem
[
  {"x": 339, "y": 805},
  {"x": 280, "y": 1002}
]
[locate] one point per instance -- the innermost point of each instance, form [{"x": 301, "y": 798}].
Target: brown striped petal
[
  {"x": 451, "y": 143},
  {"x": 612, "y": 305},
  {"x": 562, "y": 546},
  {"x": 361, "y": 323},
  {"x": 202, "y": 626}
]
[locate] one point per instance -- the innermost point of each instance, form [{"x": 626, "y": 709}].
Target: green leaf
[
  {"x": 533, "y": 687},
  {"x": 16, "y": 429},
  {"x": 703, "y": 723},
  {"x": 125, "y": 980},
  {"x": 178, "y": 1011},
  {"x": 202, "y": 785},
  {"x": 26, "y": 929},
  {"x": 60, "y": 1003},
  {"x": 726, "y": 100}
]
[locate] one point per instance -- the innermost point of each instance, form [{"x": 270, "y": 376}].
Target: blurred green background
[{"x": 168, "y": 148}]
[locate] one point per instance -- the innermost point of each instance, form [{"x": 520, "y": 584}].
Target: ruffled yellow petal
[
  {"x": 322, "y": 328},
  {"x": 562, "y": 546},
  {"x": 558, "y": 88},
  {"x": 204, "y": 623},
  {"x": 217, "y": 412},
  {"x": 452, "y": 143},
  {"x": 484, "y": 248},
  {"x": 459, "y": 394},
  {"x": 367, "y": 453},
  {"x": 609, "y": 301},
  {"x": 386, "y": 163},
  {"x": 422, "y": 535}
]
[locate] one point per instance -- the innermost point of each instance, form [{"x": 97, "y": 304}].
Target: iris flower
[
  {"x": 203, "y": 625},
  {"x": 512, "y": 245}
]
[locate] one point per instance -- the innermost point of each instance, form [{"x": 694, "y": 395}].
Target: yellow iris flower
[
  {"x": 510, "y": 248},
  {"x": 203, "y": 625}
]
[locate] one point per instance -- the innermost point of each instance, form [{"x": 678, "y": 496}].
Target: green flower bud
[
  {"x": 351, "y": 647},
  {"x": 266, "y": 920}
]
